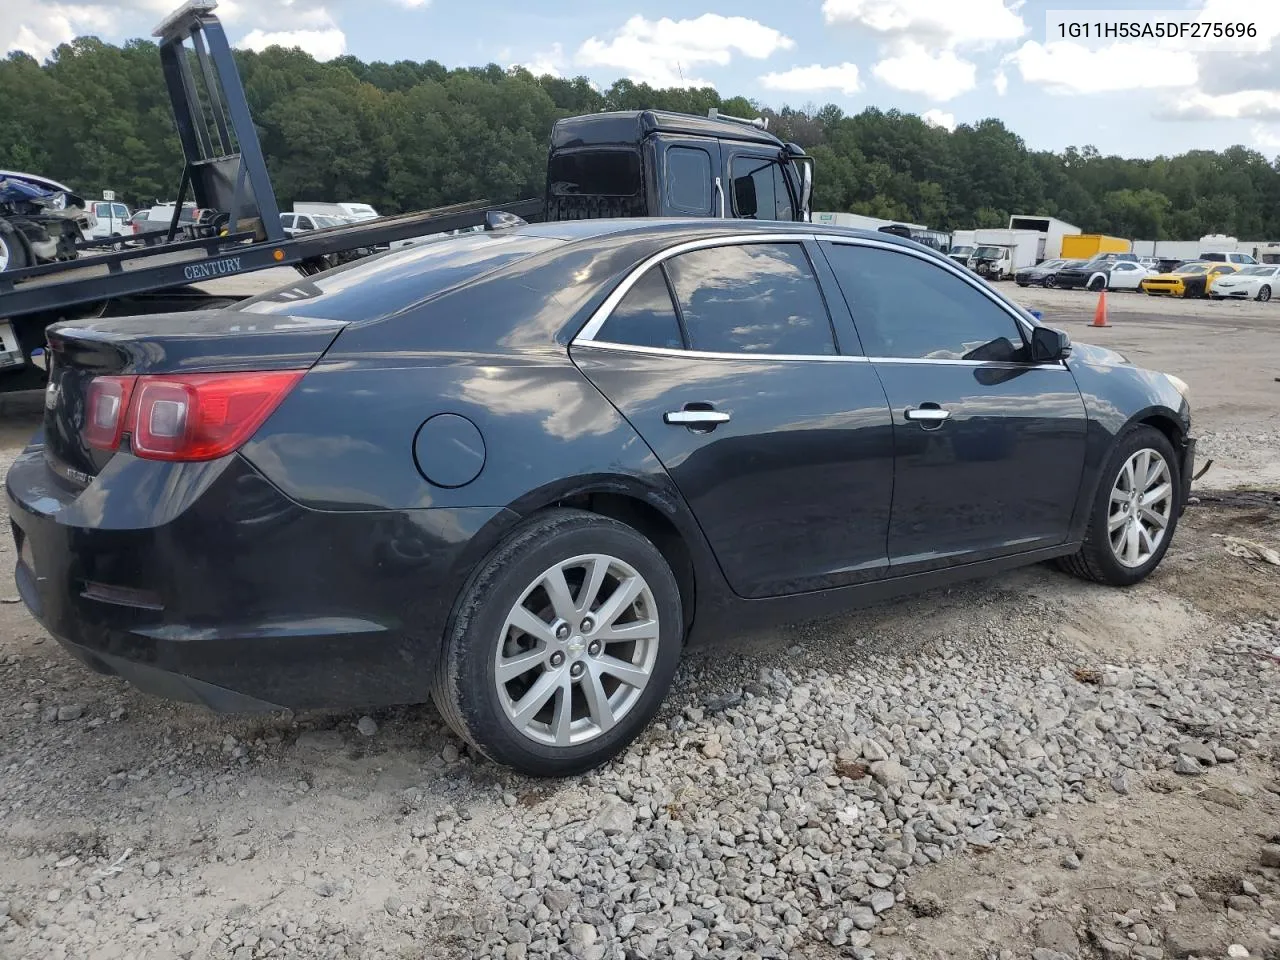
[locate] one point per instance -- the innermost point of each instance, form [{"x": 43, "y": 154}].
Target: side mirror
[
  {"x": 1048, "y": 345},
  {"x": 499, "y": 219}
]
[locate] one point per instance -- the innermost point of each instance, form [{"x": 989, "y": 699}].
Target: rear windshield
[
  {"x": 387, "y": 283},
  {"x": 596, "y": 173}
]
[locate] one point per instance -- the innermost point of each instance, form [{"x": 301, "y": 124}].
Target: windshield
[
  {"x": 989, "y": 252},
  {"x": 1258, "y": 271},
  {"x": 1052, "y": 264},
  {"x": 964, "y": 249},
  {"x": 387, "y": 283},
  {"x": 1193, "y": 268},
  {"x": 323, "y": 222}
]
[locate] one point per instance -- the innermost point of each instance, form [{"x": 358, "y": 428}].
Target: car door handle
[
  {"x": 695, "y": 418},
  {"x": 928, "y": 414}
]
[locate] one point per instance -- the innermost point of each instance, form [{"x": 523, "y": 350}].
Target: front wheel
[
  {"x": 1097, "y": 284},
  {"x": 1264, "y": 294},
  {"x": 1134, "y": 514},
  {"x": 1051, "y": 281},
  {"x": 562, "y": 646}
]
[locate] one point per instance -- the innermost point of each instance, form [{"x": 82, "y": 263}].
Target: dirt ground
[{"x": 144, "y": 829}]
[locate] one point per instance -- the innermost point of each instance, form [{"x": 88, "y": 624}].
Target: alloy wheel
[
  {"x": 4, "y": 254},
  {"x": 1264, "y": 294},
  {"x": 577, "y": 650},
  {"x": 1141, "y": 507}
]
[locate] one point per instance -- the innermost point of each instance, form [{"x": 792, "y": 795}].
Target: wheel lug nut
[
  {"x": 562, "y": 632},
  {"x": 588, "y": 624},
  {"x": 594, "y": 649},
  {"x": 576, "y": 670},
  {"x": 557, "y": 659}
]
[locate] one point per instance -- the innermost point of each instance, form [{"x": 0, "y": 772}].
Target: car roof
[
  {"x": 632, "y": 126},
  {"x": 675, "y": 228}
]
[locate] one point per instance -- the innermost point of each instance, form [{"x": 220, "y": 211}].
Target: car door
[
  {"x": 723, "y": 359},
  {"x": 989, "y": 446}
]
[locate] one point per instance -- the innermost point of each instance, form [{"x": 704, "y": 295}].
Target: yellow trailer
[{"x": 1082, "y": 246}]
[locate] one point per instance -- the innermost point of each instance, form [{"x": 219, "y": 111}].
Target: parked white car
[
  {"x": 1258, "y": 282},
  {"x": 1121, "y": 275},
  {"x": 294, "y": 223}
]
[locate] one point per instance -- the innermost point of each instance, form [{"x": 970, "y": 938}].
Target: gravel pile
[{"x": 782, "y": 817}]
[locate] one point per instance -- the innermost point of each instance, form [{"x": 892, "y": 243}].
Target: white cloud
[
  {"x": 1001, "y": 83},
  {"x": 1069, "y": 68},
  {"x": 1241, "y": 105},
  {"x": 547, "y": 62},
  {"x": 942, "y": 23},
  {"x": 937, "y": 75},
  {"x": 664, "y": 52},
  {"x": 321, "y": 44},
  {"x": 843, "y": 77},
  {"x": 937, "y": 118},
  {"x": 1267, "y": 137}
]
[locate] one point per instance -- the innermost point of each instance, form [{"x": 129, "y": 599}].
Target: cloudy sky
[{"x": 952, "y": 61}]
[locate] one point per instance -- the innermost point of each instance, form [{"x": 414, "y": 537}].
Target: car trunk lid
[{"x": 193, "y": 342}]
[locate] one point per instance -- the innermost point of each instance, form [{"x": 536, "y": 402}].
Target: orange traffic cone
[{"x": 1100, "y": 314}]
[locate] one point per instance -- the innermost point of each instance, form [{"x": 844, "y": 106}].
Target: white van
[
  {"x": 112, "y": 220},
  {"x": 351, "y": 212}
]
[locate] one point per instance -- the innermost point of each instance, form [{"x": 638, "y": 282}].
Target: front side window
[
  {"x": 755, "y": 195},
  {"x": 751, "y": 298},
  {"x": 645, "y": 317},
  {"x": 905, "y": 307}
]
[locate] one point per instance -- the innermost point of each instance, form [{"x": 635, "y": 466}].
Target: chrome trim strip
[
  {"x": 592, "y": 327},
  {"x": 990, "y": 364},
  {"x": 710, "y": 355}
]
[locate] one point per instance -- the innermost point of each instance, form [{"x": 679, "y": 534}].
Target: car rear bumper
[{"x": 231, "y": 595}]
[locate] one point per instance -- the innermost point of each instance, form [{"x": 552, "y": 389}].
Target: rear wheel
[
  {"x": 563, "y": 645},
  {"x": 1265, "y": 293},
  {"x": 1134, "y": 512}
]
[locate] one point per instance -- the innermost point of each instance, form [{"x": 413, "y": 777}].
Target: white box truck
[
  {"x": 998, "y": 254},
  {"x": 1052, "y": 228}
]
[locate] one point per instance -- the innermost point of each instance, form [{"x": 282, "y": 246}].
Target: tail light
[{"x": 199, "y": 416}]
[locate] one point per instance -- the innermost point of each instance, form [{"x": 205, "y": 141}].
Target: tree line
[{"x": 407, "y": 136}]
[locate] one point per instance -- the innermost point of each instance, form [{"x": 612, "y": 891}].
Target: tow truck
[{"x": 618, "y": 163}]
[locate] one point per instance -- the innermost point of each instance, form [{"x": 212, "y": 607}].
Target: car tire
[
  {"x": 1264, "y": 294},
  {"x": 13, "y": 252},
  {"x": 1097, "y": 285},
  {"x": 509, "y": 586},
  {"x": 1051, "y": 281},
  {"x": 1099, "y": 558},
  {"x": 1022, "y": 283}
]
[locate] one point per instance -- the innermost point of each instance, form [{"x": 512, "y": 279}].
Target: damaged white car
[{"x": 41, "y": 220}]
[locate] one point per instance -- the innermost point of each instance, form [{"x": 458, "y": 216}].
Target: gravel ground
[{"x": 1027, "y": 766}]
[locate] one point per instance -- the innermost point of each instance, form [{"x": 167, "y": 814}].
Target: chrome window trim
[
  {"x": 586, "y": 336},
  {"x": 711, "y": 355}
]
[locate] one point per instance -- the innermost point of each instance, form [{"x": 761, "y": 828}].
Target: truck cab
[{"x": 651, "y": 163}]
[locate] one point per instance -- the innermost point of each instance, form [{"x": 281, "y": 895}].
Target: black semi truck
[{"x": 618, "y": 164}]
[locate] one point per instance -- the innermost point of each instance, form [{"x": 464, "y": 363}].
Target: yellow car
[{"x": 1192, "y": 279}]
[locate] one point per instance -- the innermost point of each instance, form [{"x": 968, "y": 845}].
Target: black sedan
[
  {"x": 517, "y": 471},
  {"x": 1043, "y": 274}
]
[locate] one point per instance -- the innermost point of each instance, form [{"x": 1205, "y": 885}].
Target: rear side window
[
  {"x": 645, "y": 317},
  {"x": 689, "y": 180},
  {"x": 387, "y": 283},
  {"x": 756, "y": 298}
]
